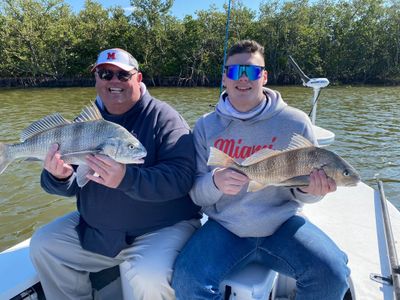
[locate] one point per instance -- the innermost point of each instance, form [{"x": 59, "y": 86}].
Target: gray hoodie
[{"x": 248, "y": 214}]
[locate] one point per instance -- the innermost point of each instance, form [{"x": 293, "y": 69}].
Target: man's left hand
[
  {"x": 110, "y": 172},
  {"x": 320, "y": 184}
]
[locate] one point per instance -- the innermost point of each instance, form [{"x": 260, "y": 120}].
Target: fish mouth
[
  {"x": 353, "y": 183},
  {"x": 140, "y": 159}
]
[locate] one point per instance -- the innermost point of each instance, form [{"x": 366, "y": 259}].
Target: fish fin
[
  {"x": 4, "y": 159},
  {"x": 298, "y": 141},
  {"x": 81, "y": 173},
  {"x": 42, "y": 125},
  {"x": 259, "y": 156},
  {"x": 89, "y": 113},
  {"x": 70, "y": 180},
  {"x": 298, "y": 181},
  {"x": 219, "y": 158},
  {"x": 255, "y": 186}
]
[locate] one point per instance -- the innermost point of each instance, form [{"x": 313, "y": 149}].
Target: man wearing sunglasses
[
  {"x": 261, "y": 226},
  {"x": 139, "y": 215}
]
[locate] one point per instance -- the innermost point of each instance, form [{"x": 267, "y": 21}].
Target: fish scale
[
  {"x": 278, "y": 168},
  {"x": 71, "y": 138}
]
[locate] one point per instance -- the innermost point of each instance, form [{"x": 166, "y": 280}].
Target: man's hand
[
  {"x": 320, "y": 184},
  {"x": 229, "y": 181},
  {"x": 55, "y": 165},
  {"x": 110, "y": 172}
]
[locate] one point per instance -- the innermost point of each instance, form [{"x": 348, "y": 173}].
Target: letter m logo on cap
[{"x": 111, "y": 55}]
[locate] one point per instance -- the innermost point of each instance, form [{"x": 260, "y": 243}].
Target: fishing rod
[
  {"x": 228, "y": 17},
  {"x": 390, "y": 243}
]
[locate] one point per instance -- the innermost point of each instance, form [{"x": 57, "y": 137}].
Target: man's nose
[{"x": 243, "y": 76}]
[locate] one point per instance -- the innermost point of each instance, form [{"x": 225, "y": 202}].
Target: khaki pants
[{"x": 64, "y": 266}]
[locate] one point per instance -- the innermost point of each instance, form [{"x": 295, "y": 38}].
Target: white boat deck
[{"x": 352, "y": 218}]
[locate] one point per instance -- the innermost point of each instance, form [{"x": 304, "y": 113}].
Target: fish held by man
[
  {"x": 88, "y": 134},
  {"x": 289, "y": 167}
]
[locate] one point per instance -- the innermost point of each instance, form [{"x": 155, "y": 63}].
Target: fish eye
[
  {"x": 131, "y": 146},
  {"x": 346, "y": 173}
]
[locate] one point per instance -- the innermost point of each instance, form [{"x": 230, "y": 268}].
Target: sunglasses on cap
[
  {"x": 252, "y": 72},
  {"x": 105, "y": 74}
]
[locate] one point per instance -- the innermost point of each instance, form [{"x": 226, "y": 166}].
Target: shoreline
[{"x": 166, "y": 81}]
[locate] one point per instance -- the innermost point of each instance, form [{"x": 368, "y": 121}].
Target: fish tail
[
  {"x": 219, "y": 158},
  {"x": 4, "y": 159}
]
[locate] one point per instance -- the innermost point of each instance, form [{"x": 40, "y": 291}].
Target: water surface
[{"x": 366, "y": 121}]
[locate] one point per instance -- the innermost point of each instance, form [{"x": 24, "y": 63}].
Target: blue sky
[{"x": 180, "y": 8}]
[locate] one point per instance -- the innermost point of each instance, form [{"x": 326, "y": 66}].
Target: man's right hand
[
  {"x": 55, "y": 165},
  {"x": 229, "y": 181}
]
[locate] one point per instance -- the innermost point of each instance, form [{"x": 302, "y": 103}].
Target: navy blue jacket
[{"x": 151, "y": 196}]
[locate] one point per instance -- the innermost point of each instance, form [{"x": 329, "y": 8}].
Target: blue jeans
[{"x": 297, "y": 249}]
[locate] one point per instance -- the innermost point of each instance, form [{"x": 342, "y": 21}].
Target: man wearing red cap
[{"x": 137, "y": 214}]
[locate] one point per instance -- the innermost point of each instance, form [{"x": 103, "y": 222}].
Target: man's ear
[
  {"x": 223, "y": 80},
  {"x": 265, "y": 77},
  {"x": 139, "y": 77}
]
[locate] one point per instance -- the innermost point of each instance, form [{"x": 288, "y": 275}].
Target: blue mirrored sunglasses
[{"x": 252, "y": 72}]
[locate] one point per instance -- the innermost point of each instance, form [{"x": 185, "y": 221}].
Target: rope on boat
[
  {"x": 390, "y": 243},
  {"x": 228, "y": 17}
]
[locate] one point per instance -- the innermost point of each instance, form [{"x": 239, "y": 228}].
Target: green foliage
[
  {"x": 344, "y": 40},
  {"x": 36, "y": 38}
]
